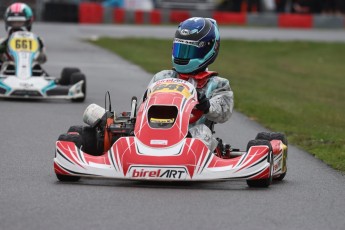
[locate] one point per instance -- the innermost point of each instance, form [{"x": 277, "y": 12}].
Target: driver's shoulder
[
  {"x": 3, "y": 40},
  {"x": 165, "y": 74},
  {"x": 217, "y": 78}
]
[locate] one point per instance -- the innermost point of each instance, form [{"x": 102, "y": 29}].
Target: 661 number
[{"x": 24, "y": 44}]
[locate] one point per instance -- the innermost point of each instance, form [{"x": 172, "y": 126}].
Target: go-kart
[
  {"x": 23, "y": 77},
  {"x": 153, "y": 143}
]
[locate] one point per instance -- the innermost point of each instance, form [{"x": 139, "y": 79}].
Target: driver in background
[
  {"x": 18, "y": 17},
  {"x": 195, "y": 47}
]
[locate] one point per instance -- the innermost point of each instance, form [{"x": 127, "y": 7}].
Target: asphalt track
[{"x": 311, "y": 196}]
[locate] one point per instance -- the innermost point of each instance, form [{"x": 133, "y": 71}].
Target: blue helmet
[{"x": 196, "y": 45}]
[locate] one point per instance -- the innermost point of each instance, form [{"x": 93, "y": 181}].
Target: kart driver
[
  {"x": 195, "y": 47},
  {"x": 18, "y": 17}
]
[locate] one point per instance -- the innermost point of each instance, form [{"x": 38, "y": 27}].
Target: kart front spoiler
[
  {"x": 38, "y": 88},
  {"x": 192, "y": 161}
]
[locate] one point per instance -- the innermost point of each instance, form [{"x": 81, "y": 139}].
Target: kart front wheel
[
  {"x": 266, "y": 182},
  {"x": 65, "y": 178},
  {"x": 66, "y": 75}
]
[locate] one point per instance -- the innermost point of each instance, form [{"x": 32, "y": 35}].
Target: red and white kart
[{"x": 155, "y": 145}]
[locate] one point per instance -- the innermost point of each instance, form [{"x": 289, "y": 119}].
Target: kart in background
[
  {"x": 23, "y": 77},
  {"x": 154, "y": 144}
]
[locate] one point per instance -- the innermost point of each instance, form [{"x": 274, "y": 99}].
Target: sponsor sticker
[
  {"x": 26, "y": 85},
  {"x": 162, "y": 173},
  {"x": 159, "y": 142},
  {"x": 184, "y": 32}
]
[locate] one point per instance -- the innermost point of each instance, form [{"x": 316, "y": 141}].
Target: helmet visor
[
  {"x": 186, "y": 49},
  {"x": 16, "y": 22}
]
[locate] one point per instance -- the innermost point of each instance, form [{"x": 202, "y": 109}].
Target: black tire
[
  {"x": 75, "y": 129},
  {"x": 279, "y": 136},
  {"x": 75, "y": 78},
  {"x": 272, "y": 136},
  {"x": 262, "y": 183},
  {"x": 66, "y": 178},
  {"x": 263, "y": 136},
  {"x": 282, "y": 137},
  {"x": 90, "y": 145},
  {"x": 275, "y": 136},
  {"x": 86, "y": 140},
  {"x": 66, "y": 75},
  {"x": 77, "y": 140},
  {"x": 280, "y": 177}
]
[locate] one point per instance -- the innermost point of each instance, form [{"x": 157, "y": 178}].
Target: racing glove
[{"x": 204, "y": 103}]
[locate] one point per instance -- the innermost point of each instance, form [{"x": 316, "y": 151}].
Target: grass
[{"x": 294, "y": 87}]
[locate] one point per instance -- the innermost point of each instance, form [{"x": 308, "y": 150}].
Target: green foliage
[{"x": 294, "y": 87}]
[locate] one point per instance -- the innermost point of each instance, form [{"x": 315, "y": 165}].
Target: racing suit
[{"x": 220, "y": 95}]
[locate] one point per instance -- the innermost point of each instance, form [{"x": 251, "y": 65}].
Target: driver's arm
[
  {"x": 221, "y": 101},
  {"x": 42, "y": 57},
  {"x": 3, "y": 45}
]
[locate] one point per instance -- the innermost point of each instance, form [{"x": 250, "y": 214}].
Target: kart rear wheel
[
  {"x": 263, "y": 136},
  {"x": 262, "y": 183},
  {"x": 75, "y": 78},
  {"x": 279, "y": 136},
  {"x": 77, "y": 140},
  {"x": 275, "y": 136},
  {"x": 75, "y": 129},
  {"x": 66, "y": 74},
  {"x": 271, "y": 136}
]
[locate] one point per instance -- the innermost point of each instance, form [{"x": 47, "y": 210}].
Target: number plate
[
  {"x": 24, "y": 44},
  {"x": 172, "y": 88}
]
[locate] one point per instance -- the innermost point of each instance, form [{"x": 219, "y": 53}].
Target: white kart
[{"x": 23, "y": 77}]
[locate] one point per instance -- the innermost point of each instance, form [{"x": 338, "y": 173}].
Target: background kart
[
  {"x": 155, "y": 145},
  {"x": 23, "y": 77}
]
